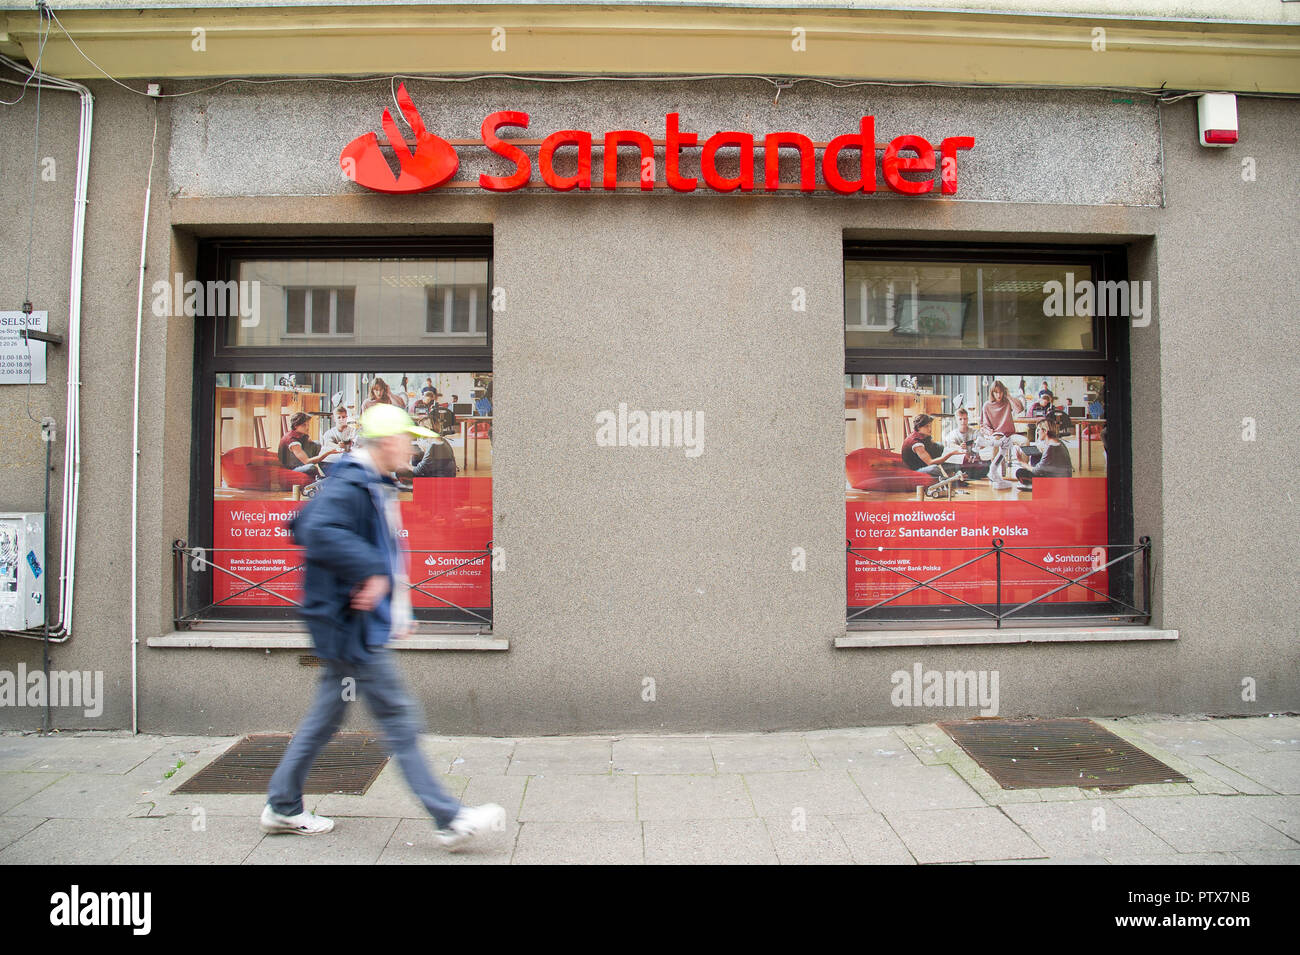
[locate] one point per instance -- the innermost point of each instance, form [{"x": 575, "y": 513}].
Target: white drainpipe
[{"x": 62, "y": 630}]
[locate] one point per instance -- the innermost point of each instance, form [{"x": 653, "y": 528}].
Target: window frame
[
  {"x": 218, "y": 260},
  {"x": 1110, "y": 359}
]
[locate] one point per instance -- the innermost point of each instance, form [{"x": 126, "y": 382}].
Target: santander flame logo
[{"x": 433, "y": 162}]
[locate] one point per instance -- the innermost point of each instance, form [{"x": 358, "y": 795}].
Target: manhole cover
[
  {"x": 1039, "y": 754},
  {"x": 348, "y": 764}
]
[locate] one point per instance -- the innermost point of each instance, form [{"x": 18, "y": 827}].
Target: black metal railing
[
  {"x": 193, "y": 601},
  {"x": 1115, "y": 601}
]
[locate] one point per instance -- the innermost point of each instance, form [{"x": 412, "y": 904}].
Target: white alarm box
[
  {"x": 22, "y": 571},
  {"x": 1216, "y": 115}
]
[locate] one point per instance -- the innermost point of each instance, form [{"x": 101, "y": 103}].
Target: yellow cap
[{"x": 384, "y": 420}]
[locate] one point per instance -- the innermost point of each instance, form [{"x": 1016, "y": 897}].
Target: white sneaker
[
  {"x": 471, "y": 822},
  {"x": 303, "y": 824}
]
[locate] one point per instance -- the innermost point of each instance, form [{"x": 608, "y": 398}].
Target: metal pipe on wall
[{"x": 62, "y": 631}]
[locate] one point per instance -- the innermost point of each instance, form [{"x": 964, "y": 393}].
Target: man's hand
[{"x": 370, "y": 592}]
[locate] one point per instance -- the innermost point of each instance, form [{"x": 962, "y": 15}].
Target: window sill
[
  {"x": 959, "y": 638},
  {"x": 301, "y": 640}
]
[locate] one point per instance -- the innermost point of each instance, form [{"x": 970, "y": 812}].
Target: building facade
[{"x": 655, "y": 517}]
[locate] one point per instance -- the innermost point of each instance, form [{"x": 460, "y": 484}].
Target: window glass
[
  {"x": 374, "y": 303},
  {"x": 938, "y": 466},
  {"x": 928, "y": 305},
  {"x": 276, "y": 438}
]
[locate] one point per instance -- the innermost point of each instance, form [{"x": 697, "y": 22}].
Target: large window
[
  {"x": 985, "y": 437},
  {"x": 338, "y": 327}
]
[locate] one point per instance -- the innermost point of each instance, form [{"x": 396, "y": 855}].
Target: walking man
[{"x": 355, "y": 600}]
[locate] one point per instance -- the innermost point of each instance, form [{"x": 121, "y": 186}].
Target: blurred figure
[{"x": 356, "y": 599}]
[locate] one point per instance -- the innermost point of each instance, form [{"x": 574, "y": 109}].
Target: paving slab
[
  {"x": 1207, "y": 823},
  {"x": 860, "y": 751},
  {"x": 1211, "y": 777},
  {"x": 412, "y": 843},
  {"x": 807, "y": 840},
  {"x": 19, "y": 751},
  {"x": 1181, "y": 858},
  {"x": 640, "y": 756},
  {"x": 545, "y": 757},
  {"x": 872, "y": 840},
  {"x": 678, "y": 797},
  {"x": 932, "y": 745},
  {"x": 193, "y": 753},
  {"x": 1269, "y": 733},
  {"x": 440, "y": 753},
  {"x": 708, "y": 842},
  {"x": 1085, "y": 828},
  {"x": 1187, "y": 738},
  {"x": 482, "y": 756},
  {"x": 218, "y": 804},
  {"x": 599, "y": 843},
  {"x": 1068, "y": 860},
  {"x": 193, "y": 840},
  {"x": 825, "y": 792},
  {"x": 354, "y": 841},
  {"x": 94, "y": 754},
  {"x": 13, "y": 828},
  {"x": 1265, "y": 857},
  {"x": 506, "y": 791},
  {"x": 916, "y": 787},
  {"x": 962, "y": 835},
  {"x": 388, "y": 795},
  {"x": 579, "y": 798},
  {"x": 767, "y": 753},
  {"x": 1280, "y": 812},
  {"x": 74, "y": 842},
  {"x": 17, "y": 787},
  {"x": 83, "y": 796},
  {"x": 1279, "y": 771}
]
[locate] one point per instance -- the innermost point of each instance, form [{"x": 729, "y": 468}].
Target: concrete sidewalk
[{"x": 903, "y": 794}]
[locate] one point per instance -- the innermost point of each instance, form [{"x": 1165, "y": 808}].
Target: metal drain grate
[
  {"x": 1039, "y": 754},
  {"x": 348, "y": 764}
]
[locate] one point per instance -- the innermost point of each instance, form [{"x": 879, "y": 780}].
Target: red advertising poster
[
  {"x": 277, "y": 437},
  {"x": 937, "y": 471},
  {"x": 1059, "y": 529},
  {"x": 251, "y": 545},
  {"x": 447, "y": 525}
]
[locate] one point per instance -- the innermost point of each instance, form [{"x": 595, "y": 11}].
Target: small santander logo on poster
[{"x": 432, "y": 163}]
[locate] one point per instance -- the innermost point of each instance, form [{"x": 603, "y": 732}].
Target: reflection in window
[
  {"x": 364, "y": 302},
  {"x": 928, "y": 305}
]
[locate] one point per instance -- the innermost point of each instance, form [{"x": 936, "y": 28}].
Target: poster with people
[
  {"x": 278, "y": 435},
  {"x": 939, "y": 467}
]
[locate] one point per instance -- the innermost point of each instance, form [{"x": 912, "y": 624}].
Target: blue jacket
[{"x": 346, "y": 539}]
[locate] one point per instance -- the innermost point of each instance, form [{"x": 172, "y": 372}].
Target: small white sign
[{"x": 22, "y": 362}]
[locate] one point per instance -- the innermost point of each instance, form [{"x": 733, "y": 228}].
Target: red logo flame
[{"x": 433, "y": 162}]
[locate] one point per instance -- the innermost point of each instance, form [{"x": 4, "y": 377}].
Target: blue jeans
[{"x": 380, "y": 685}]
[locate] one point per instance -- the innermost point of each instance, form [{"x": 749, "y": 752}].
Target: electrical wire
[{"x": 31, "y": 215}]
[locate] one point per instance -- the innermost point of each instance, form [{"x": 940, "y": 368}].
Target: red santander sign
[{"x": 433, "y": 161}]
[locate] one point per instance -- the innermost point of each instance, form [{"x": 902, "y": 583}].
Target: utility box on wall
[{"x": 22, "y": 571}]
